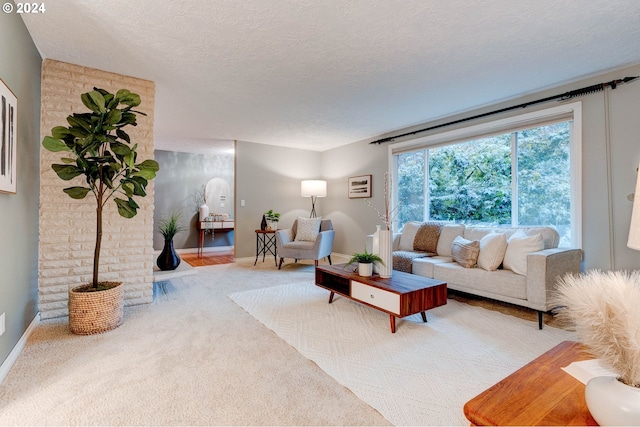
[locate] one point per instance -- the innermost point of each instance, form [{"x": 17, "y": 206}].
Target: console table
[
  {"x": 204, "y": 226},
  {"x": 538, "y": 394},
  {"x": 401, "y": 295}
]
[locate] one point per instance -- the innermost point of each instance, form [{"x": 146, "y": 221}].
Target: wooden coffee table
[
  {"x": 401, "y": 295},
  {"x": 540, "y": 393}
]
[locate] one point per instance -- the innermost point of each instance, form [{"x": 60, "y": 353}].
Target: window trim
[{"x": 569, "y": 111}]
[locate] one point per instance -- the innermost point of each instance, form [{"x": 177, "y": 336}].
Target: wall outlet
[{"x": 1, "y": 323}]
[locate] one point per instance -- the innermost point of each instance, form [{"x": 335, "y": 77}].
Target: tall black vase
[{"x": 168, "y": 258}]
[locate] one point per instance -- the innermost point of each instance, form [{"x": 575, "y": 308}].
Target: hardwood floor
[{"x": 208, "y": 258}]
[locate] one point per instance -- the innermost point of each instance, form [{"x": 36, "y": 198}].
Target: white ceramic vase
[
  {"x": 365, "y": 269},
  {"x": 613, "y": 403},
  {"x": 204, "y": 212},
  {"x": 375, "y": 246},
  {"x": 385, "y": 241}
]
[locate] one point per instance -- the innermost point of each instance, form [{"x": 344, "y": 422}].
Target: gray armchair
[{"x": 287, "y": 247}]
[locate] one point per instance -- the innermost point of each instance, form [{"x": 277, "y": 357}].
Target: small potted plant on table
[
  {"x": 272, "y": 219},
  {"x": 365, "y": 262}
]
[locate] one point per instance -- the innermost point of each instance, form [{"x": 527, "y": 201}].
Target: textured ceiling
[{"x": 317, "y": 74}]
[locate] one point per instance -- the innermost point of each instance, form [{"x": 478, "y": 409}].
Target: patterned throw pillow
[
  {"x": 465, "y": 252},
  {"x": 308, "y": 229},
  {"x": 426, "y": 239}
]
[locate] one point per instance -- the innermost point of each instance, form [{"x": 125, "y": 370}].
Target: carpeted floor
[{"x": 193, "y": 357}]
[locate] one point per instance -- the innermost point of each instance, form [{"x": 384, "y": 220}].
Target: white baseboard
[
  {"x": 207, "y": 249},
  {"x": 13, "y": 356},
  {"x": 195, "y": 250}
]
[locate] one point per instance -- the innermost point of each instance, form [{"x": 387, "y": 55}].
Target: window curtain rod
[{"x": 562, "y": 97}]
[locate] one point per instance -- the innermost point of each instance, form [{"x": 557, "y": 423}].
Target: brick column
[{"x": 67, "y": 226}]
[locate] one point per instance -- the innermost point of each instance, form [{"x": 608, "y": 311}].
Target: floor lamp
[{"x": 313, "y": 188}]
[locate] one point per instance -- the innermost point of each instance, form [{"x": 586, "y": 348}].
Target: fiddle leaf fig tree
[{"x": 100, "y": 151}]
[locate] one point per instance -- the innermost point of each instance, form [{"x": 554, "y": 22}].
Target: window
[{"x": 522, "y": 176}]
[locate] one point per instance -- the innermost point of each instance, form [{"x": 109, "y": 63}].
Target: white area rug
[{"x": 421, "y": 375}]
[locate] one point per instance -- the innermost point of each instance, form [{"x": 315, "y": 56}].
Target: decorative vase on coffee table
[
  {"x": 375, "y": 246},
  {"x": 385, "y": 242}
]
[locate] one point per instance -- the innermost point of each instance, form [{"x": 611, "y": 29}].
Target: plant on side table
[
  {"x": 603, "y": 306},
  {"x": 96, "y": 148},
  {"x": 365, "y": 262},
  {"x": 272, "y": 219},
  {"x": 169, "y": 227}
]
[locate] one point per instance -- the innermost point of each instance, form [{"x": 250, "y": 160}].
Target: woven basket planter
[{"x": 95, "y": 312}]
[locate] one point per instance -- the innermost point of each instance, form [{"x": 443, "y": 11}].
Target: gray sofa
[{"x": 531, "y": 288}]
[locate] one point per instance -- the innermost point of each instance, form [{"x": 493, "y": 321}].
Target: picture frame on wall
[
  {"x": 8, "y": 139},
  {"x": 359, "y": 186}
]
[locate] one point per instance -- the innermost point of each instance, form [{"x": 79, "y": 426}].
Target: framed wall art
[
  {"x": 8, "y": 128},
  {"x": 359, "y": 186}
]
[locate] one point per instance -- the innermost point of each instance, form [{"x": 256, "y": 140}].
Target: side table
[
  {"x": 538, "y": 394},
  {"x": 266, "y": 243}
]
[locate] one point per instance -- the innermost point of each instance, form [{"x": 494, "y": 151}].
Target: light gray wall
[
  {"x": 625, "y": 157},
  {"x": 181, "y": 174},
  {"x": 353, "y": 219},
  {"x": 605, "y": 229},
  {"x": 20, "y": 66},
  {"x": 268, "y": 177}
]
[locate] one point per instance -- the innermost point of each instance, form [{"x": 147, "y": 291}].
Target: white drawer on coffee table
[{"x": 377, "y": 297}]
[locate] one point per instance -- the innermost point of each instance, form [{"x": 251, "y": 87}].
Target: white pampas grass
[{"x": 605, "y": 308}]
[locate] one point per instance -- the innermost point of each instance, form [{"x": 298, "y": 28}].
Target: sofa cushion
[
  {"x": 424, "y": 266},
  {"x": 492, "y": 249},
  {"x": 426, "y": 239},
  {"x": 408, "y": 235},
  {"x": 496, "y": 284},
  {"x": 518, "y": 247},
  {"x": 447, "y": 234},
  {"x": 465, "y": 252},
  {"x": 308, "y": 229},
  {"x": 402, "y": 260}
]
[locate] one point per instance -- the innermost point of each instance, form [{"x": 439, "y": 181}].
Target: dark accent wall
[
  {"x": 181, "y": 175},
  {"x": 20, "y": 67}
]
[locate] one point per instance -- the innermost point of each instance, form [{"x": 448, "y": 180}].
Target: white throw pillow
[
  {"x": 492, "y": 249},
  {"x": 518, "y": 247},
  {"x": 408, "y": 235},
  {"x": 308, "y": 229}
]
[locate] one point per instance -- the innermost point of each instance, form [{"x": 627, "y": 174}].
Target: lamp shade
[
  {"x": 634, "y": 229},
  {"x": 313, "y": 187}
]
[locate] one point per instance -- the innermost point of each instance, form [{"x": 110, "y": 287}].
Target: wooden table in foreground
[
  {"x": 540, "y": 393},
  {"x": 400, "y": 295}
]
